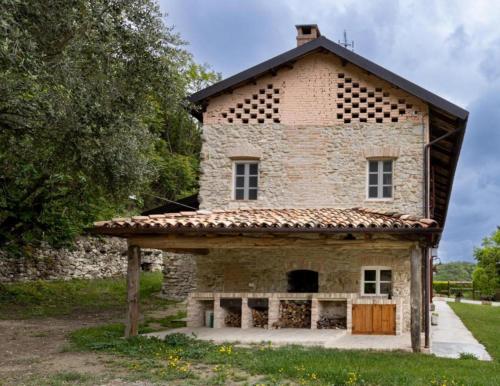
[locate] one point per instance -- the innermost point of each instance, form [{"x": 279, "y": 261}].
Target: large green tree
[
  {"x": 488, "y": 262},
  {"x": 92, "y": 109}
]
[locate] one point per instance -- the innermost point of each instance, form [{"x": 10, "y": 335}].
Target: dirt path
[{"x": 32, "y": 349}]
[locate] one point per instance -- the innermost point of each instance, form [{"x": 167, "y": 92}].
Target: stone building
[{"x": 325, "y": 181}]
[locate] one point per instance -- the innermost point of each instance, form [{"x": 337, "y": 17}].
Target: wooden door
[{"x": 378, "y": 319}]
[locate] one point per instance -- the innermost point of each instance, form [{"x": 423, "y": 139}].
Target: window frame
[
  {"x": 377, "y": 281},
  {"x": 246, "y": 185},
  {"x": 380, "y": 179}
]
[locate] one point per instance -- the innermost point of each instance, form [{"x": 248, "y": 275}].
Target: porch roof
[{"x": 267, "y": 220}]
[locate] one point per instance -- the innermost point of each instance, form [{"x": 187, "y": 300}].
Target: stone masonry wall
[
  {"x": 313, "y": 127},
  {"x": 310, "y": 167},
  {"x": 264, "y": 270},
  {"x": 179, "y": 275},
  {"x": 90, "y": 258}
]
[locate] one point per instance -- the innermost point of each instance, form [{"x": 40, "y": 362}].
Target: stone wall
[
  {"x": 265, "y": 270},
  {"x": 179, "y": 274},
  {"x": 310, "y": 167},
  {"x": 90, "y": 258}
]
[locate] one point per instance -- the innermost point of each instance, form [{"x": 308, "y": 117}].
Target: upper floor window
[
  {"x": 376, "y": 280},
  {"x": 246, "y": 179},
  {"x": 380, "y": 179}
]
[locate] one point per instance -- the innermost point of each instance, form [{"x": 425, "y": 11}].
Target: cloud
[{"x": 450, "y": 48}]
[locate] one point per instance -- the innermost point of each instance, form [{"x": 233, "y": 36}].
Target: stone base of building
[{"x": 206, "y": 306}]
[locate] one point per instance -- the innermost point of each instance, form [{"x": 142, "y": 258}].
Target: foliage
[
  {"x": 488, "y": 258},
  {"x": 92, "y": 110},
  {"x": 484, "y": 283},
  {"x": 58, "y": 298},
  {"x": 454, "y": 271}
]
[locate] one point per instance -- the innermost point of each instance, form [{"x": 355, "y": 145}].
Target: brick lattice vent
[
  {"x": 362, "y": 103},
  {"x": 261, "y": 107}
]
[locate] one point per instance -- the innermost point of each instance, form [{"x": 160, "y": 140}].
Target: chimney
[{"x": 306, "y": 33}]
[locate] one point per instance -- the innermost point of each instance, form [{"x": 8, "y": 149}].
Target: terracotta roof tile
[{"x": 264, "y": 219}]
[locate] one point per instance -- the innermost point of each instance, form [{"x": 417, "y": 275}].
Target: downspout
[{"x": 427, "y": 214}]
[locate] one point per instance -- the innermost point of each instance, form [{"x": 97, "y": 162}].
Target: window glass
[
  {"x": 252, "y": 182},
  {"x": 253, "y": 169},
  {"x": 240, "y": 194},
  {"x": 380, "y": 179},
  {"x": 240, "y": 182},
  {"x": 252, "y": 194},
  {"x": 387, "y": 192},
  {"x": 246, "y": 180},
  {"x": 370, "y": 288},
  {"x": 240, "y": 169},
  {"x": 377, "y": 281},
  {"x": 385, "y": 288},
  {"x": 370, "y": 275},
  {"x": 385, "y": 275}
]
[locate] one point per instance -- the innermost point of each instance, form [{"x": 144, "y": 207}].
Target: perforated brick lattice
[
  {"x": 261, "y": 107},
  {"x": 358, "y": 102}
]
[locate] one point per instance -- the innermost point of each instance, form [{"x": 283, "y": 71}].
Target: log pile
[
  {"x": 260, "y": 317},
  {"x": 232, "y": 319},
  {"x": 294, "y": 314},
  {"x": 326, "y": 322}
]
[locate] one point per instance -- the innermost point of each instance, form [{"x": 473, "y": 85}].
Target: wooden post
[
  {"x": 415, "y": 298},
  {"x": 427, "y": 299},
  {"x": 134, "y": 262}
]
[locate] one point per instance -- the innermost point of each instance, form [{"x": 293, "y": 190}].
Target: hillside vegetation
[{"x": 455, "y": 271}]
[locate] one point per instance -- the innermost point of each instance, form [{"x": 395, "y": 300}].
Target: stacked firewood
[
  {"x": 232, "y": 319},
  {"x": 327, "y": 322},
  {"x": 294, "y": 314},
  {"x": 260, "y": 317}
]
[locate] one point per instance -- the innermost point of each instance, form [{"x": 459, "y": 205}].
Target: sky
[{"x": 451, "y": 48}]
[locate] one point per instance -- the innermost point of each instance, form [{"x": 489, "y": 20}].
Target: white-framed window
[
  {"x": 376, "y": 280},
  {"x": 246, "y": 180},
  {"x": 380, "y": 179}
]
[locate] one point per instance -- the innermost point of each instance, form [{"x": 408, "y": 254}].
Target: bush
[{"x": 484, "y": 283}]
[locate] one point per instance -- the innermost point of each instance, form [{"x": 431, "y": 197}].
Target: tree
[
  {"x": 488, "y": 260},
  {"x": 92, "y": 109},
  {"x": 483, "y": 282}
]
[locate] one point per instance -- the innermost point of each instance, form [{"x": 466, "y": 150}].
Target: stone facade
[
  {"x": 89, "y": 258},
  {"x": 265, "y": 270},
  {"x": 310, "y": 167},
  {"x": 179, "y": 274},
  {"x": 312, "y": 126}
]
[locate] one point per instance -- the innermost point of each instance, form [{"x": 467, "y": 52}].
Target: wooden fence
[{"x": 452, "y": 288}]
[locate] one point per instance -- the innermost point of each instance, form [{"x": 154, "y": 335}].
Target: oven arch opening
[{"x": 302, "y": 280}]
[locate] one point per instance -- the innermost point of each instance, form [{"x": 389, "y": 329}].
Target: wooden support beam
[
  {"x": 184, "y": 243},
  {"x": 134, "y": 262},
  {"x": 416, "y": 298}
]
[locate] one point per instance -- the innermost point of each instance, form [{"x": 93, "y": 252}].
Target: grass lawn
[
  {"x": 177, "y": 357},
  {"x": 184, "y": 360},
  {"x": 484, "y": 323},
  {"x": 41, "y": 298}
]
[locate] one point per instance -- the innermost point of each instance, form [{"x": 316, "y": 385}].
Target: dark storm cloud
[{"x": 450, "y": 48}]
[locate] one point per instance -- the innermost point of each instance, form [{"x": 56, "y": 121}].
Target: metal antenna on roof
[{"x": 345, "y": 43}]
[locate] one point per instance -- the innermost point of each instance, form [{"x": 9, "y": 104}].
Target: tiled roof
[{"x": 264, "y": 220}]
